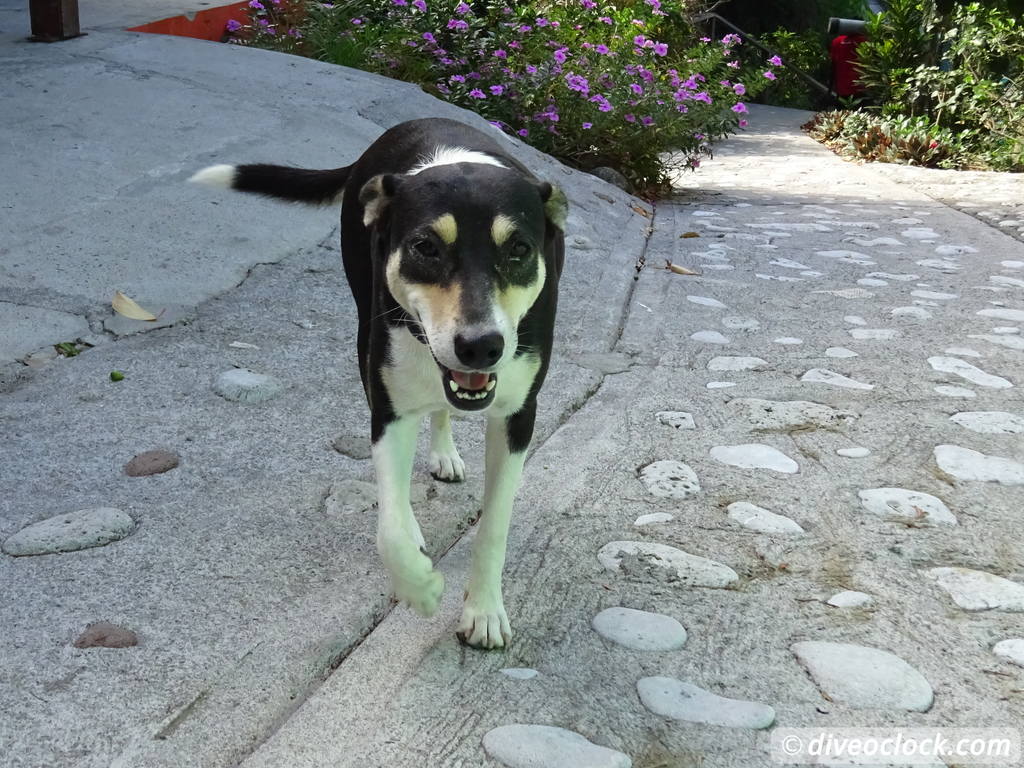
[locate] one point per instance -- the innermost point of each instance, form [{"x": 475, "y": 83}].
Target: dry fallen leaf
[
  {"x": 641, "y": 210},
  {"x": 127, "y": 307},
  {"x": 679, "y": 270},
  {"x": 689, "y": 234}
]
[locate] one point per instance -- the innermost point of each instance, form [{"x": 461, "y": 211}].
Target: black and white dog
[{"x": 453, "y": 252}]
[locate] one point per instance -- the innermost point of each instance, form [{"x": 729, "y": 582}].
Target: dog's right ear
[{"x": 375, "y": 196}]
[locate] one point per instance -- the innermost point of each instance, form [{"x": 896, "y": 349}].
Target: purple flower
[
  {"x": 233, "y": 26},
  {"x": 630, "y": 118},
  {"x": 602, "y": 49},
  {"x": 775, "y": 61},
  {"x": 515, "y": 44},
  {"x": 457, "y": 79},
  {"x": 733, "y": 64},
  {"x": 429, "y": 37},
  {"x": 525, "y": 28},
  {"x": 739, "y": 89},
  {"x": 457, "y": 24},
  {"x": 500, "y": 54},
  {"x": 577, "y": 83},
  {"x": 295, "y": 33},
  {"x": 661, "y": 49},
  {"x": 561, "y": 55},
  {"x": 769, "y": 75},
  {"x": 637, "y": 89},
  {"x": 587, "y": 126},
  {"x": 702, "y": 96},
  {"x": 476, "y": 93},
  {"x": 647, "y": 120},
  {"x": 605, "y": 19},
  {"x": 705, "y": 39},
  {"x": 419, "y": 5},
  {"x": 732, "y": 40},
  {"x": 640, "y": 41},
  {"x": 531, "y": 70},
  {"x": 743, "y": 123},
  {"x": 462, "y": 9},
  {"x": 497, "y": 90},
  {"x": 399, "y": 2},
  {"x": 256, "y": 4},
  {"x": 357, "y": 22},
  {"x": 739, "y": 108},
  {"x": 523, "y": 132},
  {"x": 588, "y": 4},
  {"x": 542, "y": 22}
]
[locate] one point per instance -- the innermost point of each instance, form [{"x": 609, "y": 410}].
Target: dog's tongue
[{"x": 471, "y": 381}]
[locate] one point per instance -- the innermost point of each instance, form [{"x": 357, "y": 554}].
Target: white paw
[
  {"x": 414, "y": 580},
  {"x": 447, "y": 466},
  {"x": 484, "y": 624}
]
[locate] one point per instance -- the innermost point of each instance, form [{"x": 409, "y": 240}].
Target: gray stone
[
  {"x": 519, "y": 673},
  {"x": 864, "y": 678},
  {"x": 545, "y": 746},
  {"x": 755, "y": 456},
  {"x": 676, "y": 565},
  {"x": 786, "y": 415},
  {"x": 612, "y": 176},
  {"x": 1012, "y": 650},
  {"x": 670, "y": 479},
  {"x": 353, "y": 446},
  {"x": 980, "y": 591},
  {"x": 990, "y": 422},
  {"x": 83, "y": 529},
  {"x": 639, "y": 630},
  {"x": 850, "y": 599},
  {"x": 103, "y": 634},
  {"x": 910, "y": 506},
  {"x": 967, "y": 464},
  {"x": 244, "y": 386},
  {"x": 679, "y": 700},
  {"x": 677, "y": 419},
  {"x": 761, "y": 520}
]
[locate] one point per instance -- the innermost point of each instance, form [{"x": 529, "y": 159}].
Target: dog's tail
[{"x": 295, "y": 184}]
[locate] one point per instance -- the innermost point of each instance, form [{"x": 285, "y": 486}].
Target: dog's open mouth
[{"x": 469, "y": 391}]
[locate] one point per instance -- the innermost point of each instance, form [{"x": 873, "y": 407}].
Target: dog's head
[{"x": 466, "y": 258}]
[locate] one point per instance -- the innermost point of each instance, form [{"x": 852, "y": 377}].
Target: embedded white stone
[
  {"x": 825, "y": 376},
  {"x": 1013, "y": 282},
  {"x": 755, "y": 456},
  {"x": 955, "y": 391},
  {"x": 920, "y": 233},
  {"x": 71, "y": 532},
  {"x": 669, "y": 479},
  {"x": 706, "y": 302},
  {"x": 544, "y": 746},
  {"x": 519, "y": 673},
  {"x": 1013, "y": 315},
  {"x": 874, "y": 334},
  {"x": 679, "y": 700},
  {"x": 1006, "y": 329},
  {"x": 990, "y": 422},
  {"x": 784, "y": 415},
  {"x": 788, "y": 264},
  {"x": 979, "y": 590},
  {"x": 691, "y": 570},
  {"x": 853, "y": 453},
  {"x": 954, "y": 250},
  {"x": 1011, "y": 342},
  {"x": 677, "y": 419},
  {"x": 789, "y": 340},
  {"x": 840, "y": 352},
  {"x": 903, "y": 278},
  {"x": 1012, "y": 650},
  {"x": 652, "y": 518},
  {"x": 943, "y": 265},
  {"x": 736, "y": 364},
  {"x": 245, "y": 386},
  {"x": 851, "y": 293},
  {"x": 852, "y": 257},
  {"x": 761, "y": 520},
  {"x": 965, "y": 464},
  {"x": 639, "y": 630},
  {"x": 871, "y": 281},
  {"x": 911, "y": 506},
  {"x": 877, "y": 241},
  {"x": 1012, "y": 264},
  {"x": 965, "y": 370},
  {"x": 720, "y": 384},
  {"x": 864, "y": 678},
  {"x": 709, "y": 337},
  {"x": 850, "y": 599}
]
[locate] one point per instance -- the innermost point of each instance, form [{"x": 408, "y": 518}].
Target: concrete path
[{"x": 835, "y": 311}]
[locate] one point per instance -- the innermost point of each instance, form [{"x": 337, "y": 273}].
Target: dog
[{"x": 453, "y": 251}]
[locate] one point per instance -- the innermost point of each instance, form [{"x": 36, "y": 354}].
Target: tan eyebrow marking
[
  {"x": 501, "y": 228},
  {"x": 446, "y": 228}
]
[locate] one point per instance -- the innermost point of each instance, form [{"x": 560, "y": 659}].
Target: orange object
[{"x": 205, "y": 25}]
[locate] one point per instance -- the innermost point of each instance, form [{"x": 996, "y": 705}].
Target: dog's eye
[
  {"x": 520, "y": 250},
  {"x": 426, "y": 248}
]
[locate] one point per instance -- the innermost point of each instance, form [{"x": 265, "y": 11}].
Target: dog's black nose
[{"x": 480, "y": 351}]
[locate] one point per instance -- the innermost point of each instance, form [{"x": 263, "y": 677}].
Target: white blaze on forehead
[
  {"x": 450, "y": 156},
  {"x": 501, "y": 228}
]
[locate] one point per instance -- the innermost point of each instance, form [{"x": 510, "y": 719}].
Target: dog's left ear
[
  {"x": 375, "y": 196},
  {"x": 556, "y": 207}
]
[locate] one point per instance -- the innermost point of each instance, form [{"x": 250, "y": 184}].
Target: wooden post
[{"x": 54, "y": 20}]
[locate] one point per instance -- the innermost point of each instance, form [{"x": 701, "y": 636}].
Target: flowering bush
[{"x": 616, "y": 85}]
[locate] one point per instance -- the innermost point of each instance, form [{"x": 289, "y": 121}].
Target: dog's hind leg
[
  {"x": 445, "y": 462},
  {"x": 484, "y": 623},
  {"x": 399, "y": 540}
]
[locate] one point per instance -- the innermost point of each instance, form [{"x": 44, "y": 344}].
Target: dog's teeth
[
  {"x": 453, "y": 386},
  {"x": 491, "y": 384}
]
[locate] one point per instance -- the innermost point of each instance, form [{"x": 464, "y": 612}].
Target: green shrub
[
  {"x": 616, "y": 85},
  {"x": 808, "y": 51}
]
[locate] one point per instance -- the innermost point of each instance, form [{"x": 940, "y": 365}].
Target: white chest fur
[{"x": 414, "y": 381}]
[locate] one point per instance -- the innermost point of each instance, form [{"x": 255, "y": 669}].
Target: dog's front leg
[
  {"x": 399, "y": 539},
  {"x": 484, "y": 622}
]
